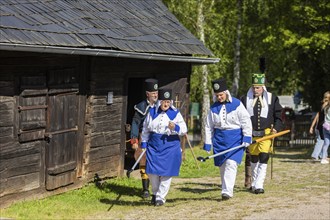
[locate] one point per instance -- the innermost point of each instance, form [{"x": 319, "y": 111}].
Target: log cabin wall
[
  {"x": 105, "y": 138},
  {"x": 30, "y": 83},
  {"x": 104, "y": 121},
  {"x": 88, "y": 133}
]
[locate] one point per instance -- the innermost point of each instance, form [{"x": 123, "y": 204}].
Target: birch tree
[
  {"x": 237, "y": 56},
  {"x": 197, "y": 23},
  {"x": 205, "y": 72}
]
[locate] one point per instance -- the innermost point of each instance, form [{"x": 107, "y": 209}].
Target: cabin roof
[{"x": 139, "y": 26}]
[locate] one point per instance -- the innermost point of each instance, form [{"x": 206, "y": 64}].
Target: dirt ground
[{"x": 300, "y": 189}]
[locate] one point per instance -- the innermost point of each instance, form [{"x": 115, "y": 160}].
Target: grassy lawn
[
  {"x": 119, "y": 197},
  {"x": 83, "y": 202}
]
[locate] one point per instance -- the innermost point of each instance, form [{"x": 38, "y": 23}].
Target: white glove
[{"x": 246, "y": 144}]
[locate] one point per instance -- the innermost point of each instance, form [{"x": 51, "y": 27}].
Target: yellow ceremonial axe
[{"x": 271, "y": 136}]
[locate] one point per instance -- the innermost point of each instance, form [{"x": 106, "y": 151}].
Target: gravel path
[{"x": 300, "y": 189}]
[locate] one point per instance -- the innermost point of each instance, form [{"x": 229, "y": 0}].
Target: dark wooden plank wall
[
  {"x": 105, "y": 122},
  {"x": 105, "y": 132},
  {"x": 22, "y": 164}
]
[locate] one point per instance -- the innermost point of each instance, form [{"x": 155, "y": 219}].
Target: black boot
[
  {"x": 153, "y": 199},
  {"x": 248, "y": 170},
  {"x": 259, "y": 191},
  {"x": 145, "y": 186},
  {"x": 248, "y": 176}
]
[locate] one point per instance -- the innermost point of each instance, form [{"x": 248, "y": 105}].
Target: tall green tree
[
  {"x": 293, "y": 36},
  {"x": 219, "y": 20},
  {"x": 203, "y": 20},
  {"x": 307, "y": 34}
]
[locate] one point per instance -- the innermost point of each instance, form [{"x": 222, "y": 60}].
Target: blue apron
[
  {"x": 163, "y": 155},
  {"x": 225, "y": 139}
]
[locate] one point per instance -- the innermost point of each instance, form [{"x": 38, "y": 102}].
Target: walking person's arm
[{"x": 315, "y": 120}]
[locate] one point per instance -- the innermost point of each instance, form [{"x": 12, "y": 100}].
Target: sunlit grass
[
  {"x": 114, "y": 193},
  {"x": 122, "y": 195},
  {"x": 77, "y": 203},
  {"x": 189, "y": 168}
]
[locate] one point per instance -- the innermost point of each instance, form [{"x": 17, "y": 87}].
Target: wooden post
[
  {"x": 182, "y": 140},
  {"x": 177, "y": 101}
]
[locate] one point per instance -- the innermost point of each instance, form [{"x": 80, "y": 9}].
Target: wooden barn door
[{"x": 62, "y": 127}]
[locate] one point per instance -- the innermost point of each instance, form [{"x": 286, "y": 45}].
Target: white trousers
[
  {"x": 259, "y": 171},
  {"x": 228, "y": 171},
  {"x": 160, "y": 185},
  {"x": 254, "y": 168}
]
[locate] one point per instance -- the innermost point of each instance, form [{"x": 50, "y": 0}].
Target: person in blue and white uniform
[
  {"x": 160, "y": 136},
  {"x": 228, "y": 125}
]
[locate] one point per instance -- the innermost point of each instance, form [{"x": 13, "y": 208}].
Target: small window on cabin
[{"x": 32, "y": 107}]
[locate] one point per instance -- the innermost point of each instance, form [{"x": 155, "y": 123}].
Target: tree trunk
[
  {"x": 237, "y": 50},
  {"x": 206, "y": 101},
  {"x": 205, "y": 73}
]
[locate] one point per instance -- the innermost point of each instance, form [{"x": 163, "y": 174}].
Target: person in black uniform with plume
[{"x": 265, "y": 112}]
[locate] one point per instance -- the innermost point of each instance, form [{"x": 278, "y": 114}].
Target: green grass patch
[
  {"x": 189, "y": 167},
  {"x": 76, "y": 204},
  {"x": 122, "y": 195},
  {"x": 114, "y": 193}
]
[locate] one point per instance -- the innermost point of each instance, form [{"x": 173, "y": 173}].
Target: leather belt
[{"x": 259, "y": 133}]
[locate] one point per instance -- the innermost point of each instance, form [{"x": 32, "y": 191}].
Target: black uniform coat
[{"x": 273, "y": 116}]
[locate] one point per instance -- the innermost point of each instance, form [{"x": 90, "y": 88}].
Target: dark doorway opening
[{"x": 136, "y": 94}]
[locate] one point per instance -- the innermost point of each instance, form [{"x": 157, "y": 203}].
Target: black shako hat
[
  {"x": 151, "y": 85},
  {"x": 165, "y": 94},
  {"x": 219, "y": 85}
]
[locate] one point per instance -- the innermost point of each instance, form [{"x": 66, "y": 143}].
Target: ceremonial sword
[
  {"x": 136, "y": 163},
  {"x": 203, "y": 159}
]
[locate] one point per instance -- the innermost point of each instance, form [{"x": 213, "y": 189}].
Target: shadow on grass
[
  {"x": 298, "y": 161},
  {"x": 120, "y": 189},
  {"x": 296, "y": 156},
  {"x": 196, "y": 190},
  {"x": 147, "y": 202},
  {"x": 215, "y": 196},
  {"x": 200, "y": 188},
  {"x": 292, "y": 154},
  {"x": 299, "y": 157},
  {"x": 169, "y": 202},
  {"x": 119, "y": 202},
  {"x": 177, "y": 201}
]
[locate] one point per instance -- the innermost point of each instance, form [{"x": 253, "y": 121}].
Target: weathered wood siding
[
  {"x": 26, "y": 87},
  {"x": 105, "y": 131},
  {"x": 56, "y": 128},
  {"x": 104, "y": 122}
]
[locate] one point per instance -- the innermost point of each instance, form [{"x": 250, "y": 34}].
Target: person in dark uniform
[
  {"x": 160, "y": 136},
  {"x": 265, "y": 112},
  {"x": 141, "y": 111}
]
